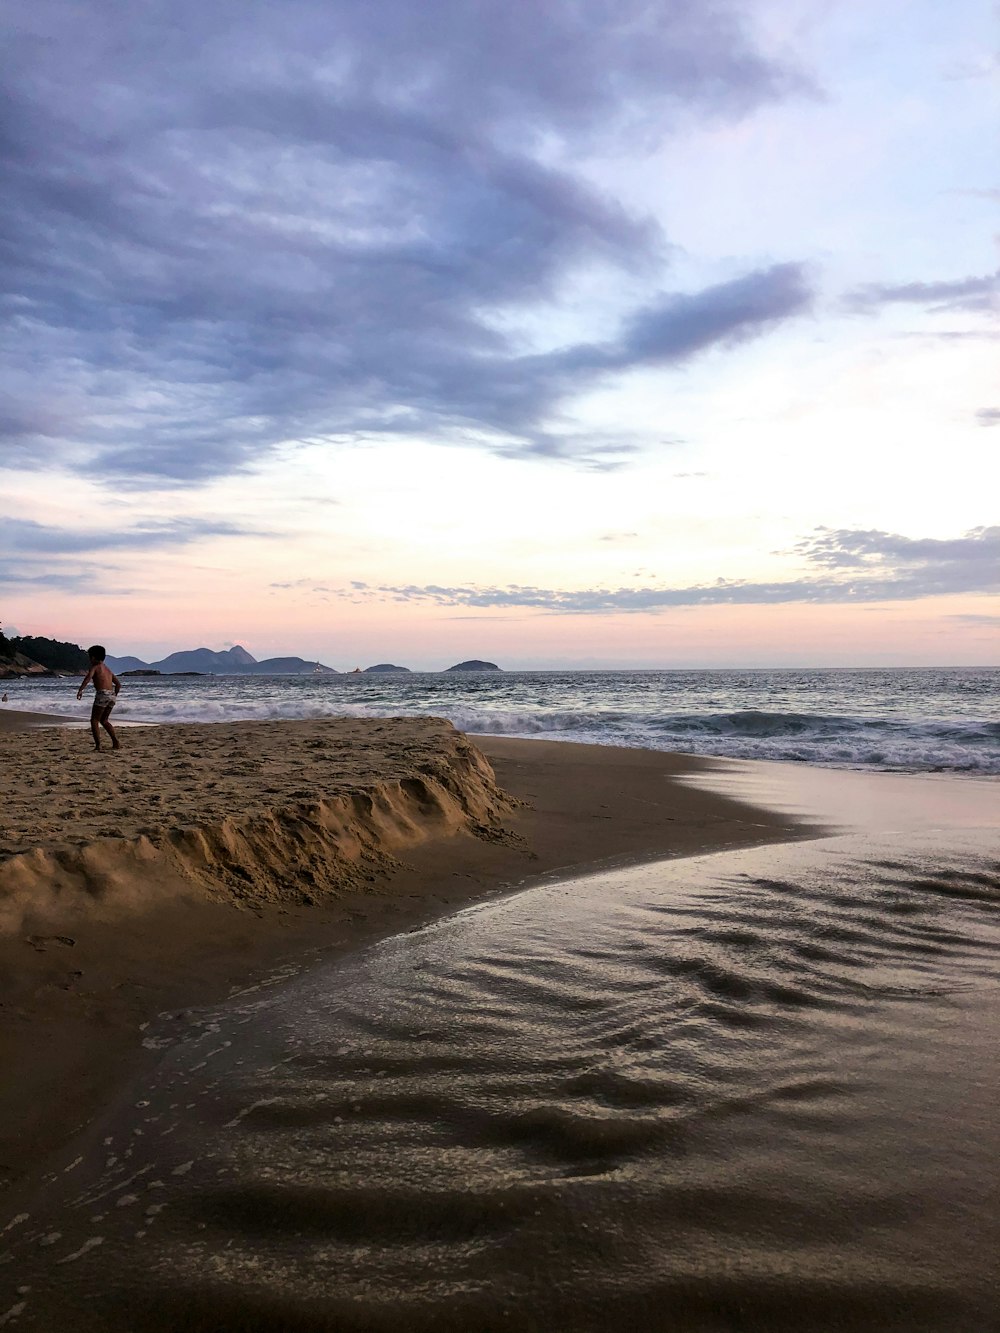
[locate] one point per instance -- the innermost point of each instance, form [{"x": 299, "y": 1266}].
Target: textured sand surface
[
  {"x": 203, "y": 859},
  {"x": 257, "y": 812}
]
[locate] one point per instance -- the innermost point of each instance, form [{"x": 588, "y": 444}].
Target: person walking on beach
[{"x": 106, "y": 686}]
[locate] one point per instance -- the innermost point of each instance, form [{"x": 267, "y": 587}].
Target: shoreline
[
  {"x": 13, "y": 720},
  {"x": 80, "y": 988}
]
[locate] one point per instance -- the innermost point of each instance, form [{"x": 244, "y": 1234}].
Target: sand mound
[{"x": 250, "y": 812}]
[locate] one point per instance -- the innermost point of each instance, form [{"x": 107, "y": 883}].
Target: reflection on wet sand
[{"x": 753, "y": 1090}]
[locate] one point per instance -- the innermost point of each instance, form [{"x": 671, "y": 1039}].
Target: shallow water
[{"x": 749, "y": 1091}]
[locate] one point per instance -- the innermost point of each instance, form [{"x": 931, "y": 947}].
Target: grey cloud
[
  {"x": 227, "y": 225},
  {"x": 79, "y": 559},
  {"x": 681, "y": 325},
  {"x": 19, "y": 537},
  {"x": 972, "y": 293},
  {"x": 867, "y": 567},
  {"x": 988, "y": 416},
  {"x": 91, "y": 580},
  {"x": 727, "y": 313},
  {"x": 974, "y": 555},
  {"x": 678, "y": 327}
]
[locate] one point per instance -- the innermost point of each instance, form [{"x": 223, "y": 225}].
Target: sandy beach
[
  {"x": 201, "y": 858},
  {"x": 708, "y": 1067}
]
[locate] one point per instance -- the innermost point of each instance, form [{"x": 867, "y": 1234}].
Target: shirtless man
[{"x": 106, "y": 685}]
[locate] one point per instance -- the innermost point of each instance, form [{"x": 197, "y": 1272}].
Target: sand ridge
[{"x": 253, "y": 812}]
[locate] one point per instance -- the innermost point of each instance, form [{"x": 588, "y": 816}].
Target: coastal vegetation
[
  {"x": 53, "y": 654},
  {"x": 31, "y": 656}
]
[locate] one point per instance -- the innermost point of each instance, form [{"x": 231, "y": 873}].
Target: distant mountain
[
  {"x": 474, "y": 665},
  {"x": 386, "y": 666},
  {"x": 235, "y": 661},
  {"x": 204, "y": 659},
  {"x": 120, "y": 664}
]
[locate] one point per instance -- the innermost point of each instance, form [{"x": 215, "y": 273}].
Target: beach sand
[{"x": 202, "y": 858}]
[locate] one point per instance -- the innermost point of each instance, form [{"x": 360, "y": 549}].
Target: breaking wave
[{"x": 909, "y": 720}]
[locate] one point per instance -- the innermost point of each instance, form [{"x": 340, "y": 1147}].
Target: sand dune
[{"x": 250, "y": 812}]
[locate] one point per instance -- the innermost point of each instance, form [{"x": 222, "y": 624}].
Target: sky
[{"x": 584, "y": 333}]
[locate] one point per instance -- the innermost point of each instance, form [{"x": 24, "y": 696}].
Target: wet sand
[
  {"x": 157, "y": 879},
  {"x": 17, "y": 720},
  {"x": 752, "y": 1089}
]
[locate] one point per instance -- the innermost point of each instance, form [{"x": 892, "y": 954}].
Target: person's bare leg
[
  {"x": 106, "y": 724},
  {"x": 95, "y": 719}
]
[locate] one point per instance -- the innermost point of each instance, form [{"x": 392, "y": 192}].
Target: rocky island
[{"x": 235, "y": 661}]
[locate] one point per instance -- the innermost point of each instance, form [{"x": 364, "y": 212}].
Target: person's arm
[
  {"x": 86, "y": 682},
  {"x": 117, "y": 683}
]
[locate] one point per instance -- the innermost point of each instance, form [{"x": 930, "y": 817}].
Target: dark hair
[{"x": 97, "y": 653}]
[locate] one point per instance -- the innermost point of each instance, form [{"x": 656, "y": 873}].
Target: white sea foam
[{"x": 901, "y": 719}]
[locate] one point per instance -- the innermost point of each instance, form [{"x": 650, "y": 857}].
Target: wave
[
  {"x": 598, "y": 712},
  {"x": 836, "y": 740}
]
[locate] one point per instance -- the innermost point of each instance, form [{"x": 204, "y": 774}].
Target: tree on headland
[{"x": 50, "y": 653}]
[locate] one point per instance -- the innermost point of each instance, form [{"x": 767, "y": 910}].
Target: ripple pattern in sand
[{"x": 750, "y": 1091}]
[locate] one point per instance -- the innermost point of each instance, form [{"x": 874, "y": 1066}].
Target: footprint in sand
[{"x": 38, "y": 942}]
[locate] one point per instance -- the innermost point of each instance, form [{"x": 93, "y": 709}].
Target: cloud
[
  {"x": 73, "y": 559},
  {"x": 19, "y": 537},
  {"x": 227, "y": 226},
  {"x": 858, "y": 567},
  {"x": 679, "y": 326},
  {"x": 91, "y": 579},
  {"x": 975, "y": 556},
  {"x": 973, "y": 293},
  {"x": 988, "y": 416}
]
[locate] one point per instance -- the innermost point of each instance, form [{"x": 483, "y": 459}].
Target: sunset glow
[{"x": 385, "y": 335}]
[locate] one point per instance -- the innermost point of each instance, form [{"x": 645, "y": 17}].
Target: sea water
[{"x": 902, "y": 719}]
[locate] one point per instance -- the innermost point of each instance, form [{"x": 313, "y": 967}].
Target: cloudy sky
[{"x": 562, "y": 333}]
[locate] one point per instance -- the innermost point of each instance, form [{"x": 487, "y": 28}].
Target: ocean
[{"x": 900, "y": 719}]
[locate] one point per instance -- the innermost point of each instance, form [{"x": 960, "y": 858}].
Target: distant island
[
  {"x": 151, "y": 671},
  {"x": 234, "y": 661},
  {"x": 37, "y": 656}
]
